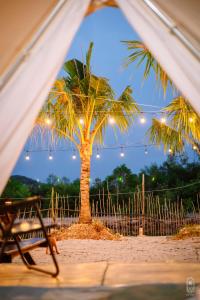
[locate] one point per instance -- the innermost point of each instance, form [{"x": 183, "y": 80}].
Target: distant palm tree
[
  {"x": 142, "y": 54},
  {"x": 79, "y": 107},
  {"x": 183, "y": 125}
]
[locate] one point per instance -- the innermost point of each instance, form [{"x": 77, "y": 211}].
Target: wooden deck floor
[{"x": 82, "y": 279}]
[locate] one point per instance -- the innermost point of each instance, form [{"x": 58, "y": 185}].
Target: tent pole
[{"x": 173, "y": 28}]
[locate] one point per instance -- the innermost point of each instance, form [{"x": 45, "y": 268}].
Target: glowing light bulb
[
  {"x": 27, "y": 156},
  {"x": 145, "y": 151},
  {"x": 111, "y": 120},
  {"x": 142, "y": 120},
  {"x": 163, "y": 120},
  {"x": 122, "y": 154},
  {"x": 194, "y": 147},
  {"x": 48, "y": 121},
  {"x": 170, "y": 151},
  {"x": 74, "y": 156},
  {"x": 81, "y": 121},
  {"x": 50, "y": 156},
  {"x": 98, "y": 156},
  {"x": 191, "y": 119}
]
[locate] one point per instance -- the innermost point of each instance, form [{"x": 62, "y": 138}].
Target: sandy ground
[{"x": 127, "y": 250}]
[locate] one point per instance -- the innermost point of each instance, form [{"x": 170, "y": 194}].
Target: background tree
[
  {"x": 176, "y": 171},
  {"x": 53, "y": 179},
  {"x": 15, "y": 189},
  {"x": 78, "y": 108}
]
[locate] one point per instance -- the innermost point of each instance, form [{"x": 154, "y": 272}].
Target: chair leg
[
  {"x": 32, "y": 267},
  {"x": 29, "y": 258},
  {"x": 48, "y": 242}
]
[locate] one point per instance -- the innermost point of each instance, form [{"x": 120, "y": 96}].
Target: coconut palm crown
[
  {"x": 183, "y": 126},
  {"x": 79, "y": 107}
]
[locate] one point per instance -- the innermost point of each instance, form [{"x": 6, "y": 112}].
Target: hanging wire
[
  {"x": 136, "y": 145},
  {"x": 145, "y": 150}
]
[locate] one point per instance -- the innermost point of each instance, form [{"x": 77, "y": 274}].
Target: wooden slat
[
  {"x": 28, "y": 226},
  {"x": 26, "y": 245}
]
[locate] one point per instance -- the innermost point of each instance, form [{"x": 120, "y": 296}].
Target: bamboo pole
[{"x": 142, "y": 228}]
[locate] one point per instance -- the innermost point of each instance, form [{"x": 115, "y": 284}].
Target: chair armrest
[{"x": 13, "y": 206}]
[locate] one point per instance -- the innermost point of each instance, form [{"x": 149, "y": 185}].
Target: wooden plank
[{"x": 25, "y": 245}]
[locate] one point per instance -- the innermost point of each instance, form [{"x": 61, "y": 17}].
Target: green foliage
[
  {"x": 182, "y": 126},
  {"x": 15, "y": 189},
  {"x": 175, "y": 172},
  {"x": 83, "y": 95},
  {"x": 142, "y": 55},
  {"x": 122, "y": 179}
]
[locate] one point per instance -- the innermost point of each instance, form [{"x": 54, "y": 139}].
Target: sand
[{"x": 127, "y": 250}]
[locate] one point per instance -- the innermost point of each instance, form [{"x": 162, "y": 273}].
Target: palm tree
[
  {"x": 142, "y": 54},
  {"x": 79, "y": 107},
  {"x": 183, "y": 122},
  {"x": 182, "y": 126}
]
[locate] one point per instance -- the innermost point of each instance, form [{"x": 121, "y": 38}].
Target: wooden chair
[{"x": 11, "y": 230}]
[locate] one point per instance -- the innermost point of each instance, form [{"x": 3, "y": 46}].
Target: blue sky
[{"x": 106, "y": 28}]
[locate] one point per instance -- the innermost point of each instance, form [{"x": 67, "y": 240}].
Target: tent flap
[
  {"x": 172, "y": 54},
  {"x": 24, "y": 93}
]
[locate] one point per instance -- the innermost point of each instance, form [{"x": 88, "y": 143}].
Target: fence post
[{"x": 141, "y": 230}]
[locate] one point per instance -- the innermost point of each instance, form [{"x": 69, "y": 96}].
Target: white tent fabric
[
  {"x": 185, "y": 15},
  {"x": 25, "y": 87},
  {"x": 180, "y": 64}
]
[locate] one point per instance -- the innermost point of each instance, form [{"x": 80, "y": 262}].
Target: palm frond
[
  {"x": 160, "y": 133},
  {"x": 83, "y": 95},
  {"x": 184, "y": 118},
  {"x": 182, "y": 126},
  {"x": 142, "y": 54},
  {"x": 88, "y": 57}
]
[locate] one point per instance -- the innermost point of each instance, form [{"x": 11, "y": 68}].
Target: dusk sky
[{"x": 106, "y": 28}]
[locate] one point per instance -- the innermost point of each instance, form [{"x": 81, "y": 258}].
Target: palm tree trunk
[{"x": 85, "y": 211}]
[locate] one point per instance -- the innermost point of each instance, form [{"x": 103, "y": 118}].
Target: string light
[
  {"x": 81, "y": 121},
  {"x": 163, "y": 120},
  {"x": 170, "y": 151},
  {"x": 145, "y": 150},
  {"x": 98, "y": 155},
  {"x": 48, "y": 121},
  {"x": 111, "y": 120},
  {"x": 191, "y": 120},
  {"x": 50, "y": 156},
  {"x": 142, "y": 120},
  {"x": 122, "y": 154},
  {"x": 27, "y": 156},
  {"x": 115, "y": 147},
  {"x": 74, "y": 155},
  {"x": 194, "y": 147}
]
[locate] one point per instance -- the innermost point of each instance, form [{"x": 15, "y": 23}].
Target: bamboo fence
[{"x": 155, "y": 216}]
